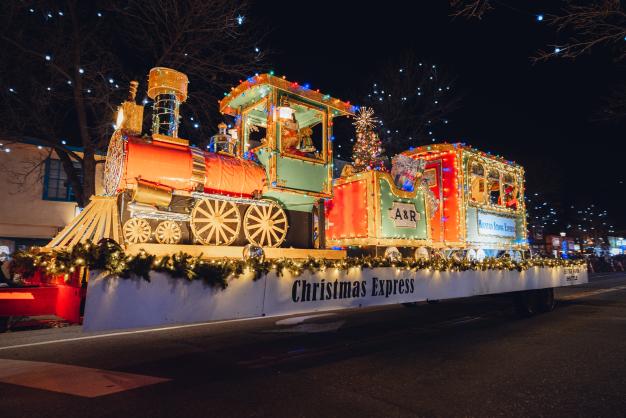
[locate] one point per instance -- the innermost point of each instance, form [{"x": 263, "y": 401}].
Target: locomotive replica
[
  {"x": 268, "y": 181},
  {"x": 261, "y": 183}
]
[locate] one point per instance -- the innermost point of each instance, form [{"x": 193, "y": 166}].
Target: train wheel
[
  {"x": 168, "y": 232},
  {"x": 136, "y": 231},
  {"x": 265, "y": 226},
  {"x": 215, "y": 222}
]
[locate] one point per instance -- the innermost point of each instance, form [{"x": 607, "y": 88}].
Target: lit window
[
  {"x": 56, "y": 185},
  {"x": 493, "y": 179},
  {"x": 477, "y": 183},
  {"x": 302, "y": 130},
  {"x": 511, "y": 191}
]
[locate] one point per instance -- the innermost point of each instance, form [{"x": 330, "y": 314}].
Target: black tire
[
  {"x": 545, "y": 300},
  {"x": 4, "y": 323},
  {"x": 525, "y": 303}
]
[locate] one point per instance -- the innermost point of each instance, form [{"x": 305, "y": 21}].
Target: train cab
[{"x": 288, "y": 129}]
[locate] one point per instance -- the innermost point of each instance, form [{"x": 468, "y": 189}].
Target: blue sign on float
[{"x": 493, "y": 225}]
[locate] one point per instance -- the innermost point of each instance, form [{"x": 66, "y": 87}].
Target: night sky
[{"x": 539, "y": 115}]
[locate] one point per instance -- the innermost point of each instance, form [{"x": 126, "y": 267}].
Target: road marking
[
  {"x": 311, "y": 328},
  {"x": 334, "y": 348},
  {"x": 613, "y": 273},
  {"x": 458, "y": 321},
  {"x": 592, "y": 293},
  {"x": 121, "y": 333},
  {"x": 72, "y": 380},
  {"x": 300, "y": 319}
]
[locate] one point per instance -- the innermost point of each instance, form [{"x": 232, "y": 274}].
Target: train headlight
[{"x": 120, "y": 117}]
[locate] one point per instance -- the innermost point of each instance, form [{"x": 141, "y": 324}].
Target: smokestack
[{"x": 168, "y": 89}]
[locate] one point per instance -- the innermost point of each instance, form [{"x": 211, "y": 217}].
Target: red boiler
[{"x": 181, "y": 167}]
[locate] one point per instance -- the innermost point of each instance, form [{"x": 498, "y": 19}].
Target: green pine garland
[{"x": 110, "y": 257}]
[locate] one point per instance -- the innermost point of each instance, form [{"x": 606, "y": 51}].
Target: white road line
[
  {"x": 592, "y": 293},
  {"x": 299, "y": 319},
  {"x": 117, "y": 334},
  {"x": 310, "y": 328},
  {"x": 73, "y": 380}
]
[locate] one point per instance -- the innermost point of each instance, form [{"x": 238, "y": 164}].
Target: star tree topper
[{"x": 367, "y": 151}]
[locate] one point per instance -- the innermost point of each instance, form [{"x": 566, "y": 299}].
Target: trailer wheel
[
  {"x": 525, "y": 303},
  {"x": 545, "y": 300},
  {"x": 4, "y": 323}
]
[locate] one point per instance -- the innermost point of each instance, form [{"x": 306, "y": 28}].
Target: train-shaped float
[{"x": 268, "y": 181}]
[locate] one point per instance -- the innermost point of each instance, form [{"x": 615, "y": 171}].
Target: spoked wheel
[
  {"x": 215, "y": 222},
  {"x": 136, "y": 231},
  {"x": 265, "y": 226},
  {"x": 168, "y": 232}
]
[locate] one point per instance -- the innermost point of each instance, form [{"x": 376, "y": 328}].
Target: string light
[{"x": 217, "y": 272}]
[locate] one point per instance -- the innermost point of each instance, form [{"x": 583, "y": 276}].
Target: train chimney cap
[{"x": 164, "y": 80}]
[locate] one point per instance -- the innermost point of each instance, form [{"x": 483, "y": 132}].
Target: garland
[{"x": 110, "y": 257}]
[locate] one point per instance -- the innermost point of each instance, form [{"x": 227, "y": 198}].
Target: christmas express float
[
  {"x": 261, "y": 202},
  {"x": 269, "y": 182}
]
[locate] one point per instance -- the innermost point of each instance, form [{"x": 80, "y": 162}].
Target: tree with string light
[
  {"x": 590, "y": 224},
  {"x": 414, "y": 100},
  {"x": 65, "y": 66},
  {"x": 367, "y": 152}
]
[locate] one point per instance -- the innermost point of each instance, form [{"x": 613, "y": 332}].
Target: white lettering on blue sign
[{"x": 495, "y": 225}]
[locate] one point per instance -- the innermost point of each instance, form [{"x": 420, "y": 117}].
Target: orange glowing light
[{"x": 16, "y": 296}]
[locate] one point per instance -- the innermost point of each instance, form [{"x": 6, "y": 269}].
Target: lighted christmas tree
[{"x": 367, "y": 153}]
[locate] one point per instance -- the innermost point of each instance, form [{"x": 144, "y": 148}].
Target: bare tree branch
[
  {"x": 470, "y": 9},
  {"x": 587, "y": 26},
  {"x": 65, "y": 67},
  {"x": 413, "y": 100}
]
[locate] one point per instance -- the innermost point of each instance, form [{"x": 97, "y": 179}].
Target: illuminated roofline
[
  {"x": 428, "y": 149},
  {"x": 344, "y": 108}
]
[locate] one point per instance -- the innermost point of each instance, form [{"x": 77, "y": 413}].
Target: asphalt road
[{"x": 468, "y": 357}]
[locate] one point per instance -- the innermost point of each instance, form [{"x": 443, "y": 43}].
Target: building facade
[{"x": 36, "y": 200}]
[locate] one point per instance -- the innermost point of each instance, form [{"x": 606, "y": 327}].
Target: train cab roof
[
  {"x": 258, "y": 87},
  {"x": 435, "y": 149}
]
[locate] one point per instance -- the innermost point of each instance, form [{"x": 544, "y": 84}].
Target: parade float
[{"x": 257, "y": 225}]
